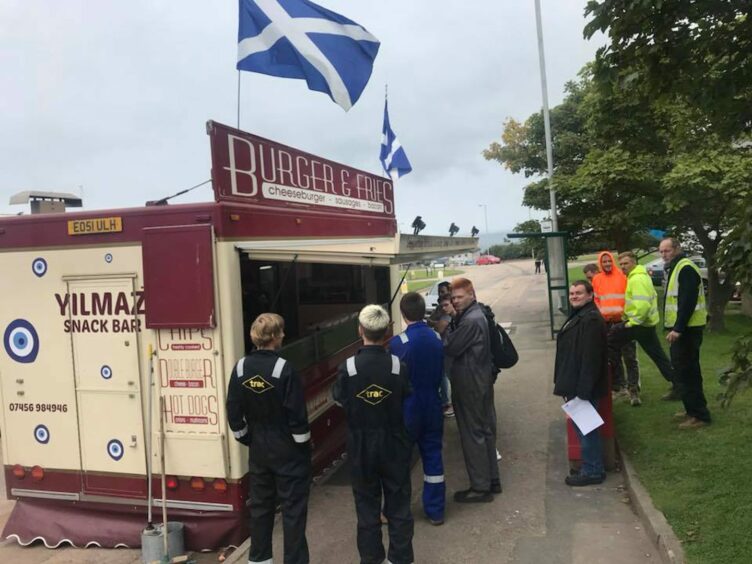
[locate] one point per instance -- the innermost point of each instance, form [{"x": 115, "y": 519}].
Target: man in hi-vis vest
[
  {"x": 609, "y": 286},
  {"x": 684, "y": 317}
]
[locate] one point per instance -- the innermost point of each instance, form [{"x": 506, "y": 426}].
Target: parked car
[
  {"x": 656, "y": 270},
  {"x": 432, "y": 296},
  {"x": 488, "y": 259}
]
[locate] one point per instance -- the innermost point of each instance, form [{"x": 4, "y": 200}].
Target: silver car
[{"x": 432, "y": 296}]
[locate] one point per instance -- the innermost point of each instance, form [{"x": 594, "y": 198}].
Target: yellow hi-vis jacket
[
  {"x": 671, "y": 307},
  {"x": 641, "y": 300}
]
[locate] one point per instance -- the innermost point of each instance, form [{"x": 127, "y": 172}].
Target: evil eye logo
[
  {"x": 115, "y": 449},
  {"x": 106, "y": 372},
  {"x": 39, "y": 267},
  {"x": 21, "y": 341},
  {"x": 108, "y": 258},
  {"x": 42, "y": 434}
]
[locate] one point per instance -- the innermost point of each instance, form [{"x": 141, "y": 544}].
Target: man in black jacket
[
  {"x": 371, "y": 387},
  {"x": 581, "y": 370},
  {"x": 266, "y": 410}
]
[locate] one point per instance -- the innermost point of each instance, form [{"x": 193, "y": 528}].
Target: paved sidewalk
[{"x": 538, "y": 519}]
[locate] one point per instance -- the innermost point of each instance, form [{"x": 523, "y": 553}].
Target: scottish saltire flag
[
  {"x": 299, "y": 39},
  {"x": 393, "y": 156}
]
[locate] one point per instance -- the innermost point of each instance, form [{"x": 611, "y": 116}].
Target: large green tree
[
  {"x": 697, "y": 50},
  {"x": 628, "y": 163}
]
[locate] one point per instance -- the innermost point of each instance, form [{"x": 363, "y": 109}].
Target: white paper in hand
[{"x": 583, "y": 414}]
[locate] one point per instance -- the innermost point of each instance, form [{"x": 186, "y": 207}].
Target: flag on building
[
  {"x": 300, "y": 39},
  {"x": 393, "y": 157}
]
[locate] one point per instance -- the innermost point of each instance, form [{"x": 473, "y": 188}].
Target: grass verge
[{"x": 699, "y": 479}]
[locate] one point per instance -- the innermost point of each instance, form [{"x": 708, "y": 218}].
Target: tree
[
  {"x": 628, "y": 164},
  {"x": 736, "y": 255},
  {"x": 698, "y": 51},
  {"x": 602, "y": 184}
]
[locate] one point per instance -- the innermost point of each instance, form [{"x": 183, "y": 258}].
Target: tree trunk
[{"x": 719, "y": 293}]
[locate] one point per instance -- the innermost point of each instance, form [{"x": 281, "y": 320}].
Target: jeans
[
  {"x": 445, "y": 391},
  {"x": 591, "y": 450}
]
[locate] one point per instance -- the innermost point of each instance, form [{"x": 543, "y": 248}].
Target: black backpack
[{"x": 503, "y": 353}]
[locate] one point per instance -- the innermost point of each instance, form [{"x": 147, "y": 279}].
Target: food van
[{"x": 106, "y": 315}]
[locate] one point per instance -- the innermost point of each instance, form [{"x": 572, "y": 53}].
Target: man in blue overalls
[{"x": 421, "y": 349}]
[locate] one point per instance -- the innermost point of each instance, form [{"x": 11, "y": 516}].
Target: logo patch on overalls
[
  {"x": 257, "y": 384},
  {"x": 374, "y": 394}
]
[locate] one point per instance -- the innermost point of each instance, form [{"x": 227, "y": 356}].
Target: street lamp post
[
  {"x": 485, "y": 215},
  {"x": 546, "y": 117}
]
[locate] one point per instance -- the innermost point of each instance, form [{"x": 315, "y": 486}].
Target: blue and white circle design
[
  {"x": 39, "y": 266},
  {"x": 21, "y": 341},
  {"x": 42, "y": 434},
  {"x": 115, "y": 449},
  {"x": 108, "y": 258},
  {"x": 105, "y": 372}
]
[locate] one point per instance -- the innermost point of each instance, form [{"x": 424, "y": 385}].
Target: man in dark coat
[
  {"x": 581, "y": 371},
  {"x": 468, "y": 347}
]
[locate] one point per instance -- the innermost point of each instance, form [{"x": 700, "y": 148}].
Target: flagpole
[
  {"x": 546, "y": 118},
  {"x": 238, "y": 122}
]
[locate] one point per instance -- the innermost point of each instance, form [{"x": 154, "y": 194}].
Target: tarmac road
[{"x": 536, "y": 520}]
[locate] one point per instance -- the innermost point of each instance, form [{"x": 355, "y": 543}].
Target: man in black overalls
[
  {"x": 266, "y": 410},
  {"x": 371, "y": 386}
]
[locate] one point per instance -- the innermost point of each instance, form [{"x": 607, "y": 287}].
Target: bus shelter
[{"x": 557, "y": 276}]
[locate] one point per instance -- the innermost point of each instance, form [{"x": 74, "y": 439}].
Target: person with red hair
[{"x": 467, "y": 344}]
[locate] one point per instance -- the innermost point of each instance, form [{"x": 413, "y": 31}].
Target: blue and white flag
[
  {"x": 393, "y": 156},
  {"x": 299, "y": 39}
]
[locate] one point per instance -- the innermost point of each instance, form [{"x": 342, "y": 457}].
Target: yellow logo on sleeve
[
  {"x": 257, "y": 384},
  {"x": 374, "y": 394}
]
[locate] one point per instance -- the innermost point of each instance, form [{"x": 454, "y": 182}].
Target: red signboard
[{"x": 250, "y": 169}]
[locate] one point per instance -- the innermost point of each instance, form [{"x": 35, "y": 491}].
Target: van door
[{"x": 104, "y": 333}]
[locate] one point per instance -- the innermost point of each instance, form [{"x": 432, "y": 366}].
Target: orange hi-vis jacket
[{"x": 609, "y": 288}]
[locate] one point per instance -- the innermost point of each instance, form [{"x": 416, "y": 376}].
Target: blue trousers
[
  {"x": 425, "y": 422},
  {"x": 591, "y": 451}
]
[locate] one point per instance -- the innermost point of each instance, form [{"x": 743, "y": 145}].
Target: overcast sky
[{"x": 111, "y": 98}]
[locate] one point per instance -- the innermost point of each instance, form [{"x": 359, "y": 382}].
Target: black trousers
[
  {"x": 648, "y": 339},
  {"x": 625, "y": 350},
  {"x": 381, "y": 464},
  {"x": 685, "y": 356},
  {"x": 278, "y": 470}
]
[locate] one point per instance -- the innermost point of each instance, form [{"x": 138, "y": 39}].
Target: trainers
[
  {"x": 472, "y": 496},
  {"x": 498, "y": 455},
  {"x": 579, "y": 480},
  {"x": 436, "y": 522},
  {"x": 495, "y": 486},
  {"x": 680, "y": 415},
  {"x": 448, "y": 410},
  {"x": 634, "y": 399},
  {"x": 671, "y": 395},
  {"x": 693, "y": 423}
]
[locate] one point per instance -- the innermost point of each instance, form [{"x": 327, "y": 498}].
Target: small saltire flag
[
  {"x": 300, "y": 39},
  {"x": 393, "y": 156}
]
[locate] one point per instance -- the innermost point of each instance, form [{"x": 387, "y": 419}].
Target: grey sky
[{"x": 113, "y": 96}]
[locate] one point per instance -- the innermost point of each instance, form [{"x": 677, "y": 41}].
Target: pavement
[{"x": 536, "y": 520}]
